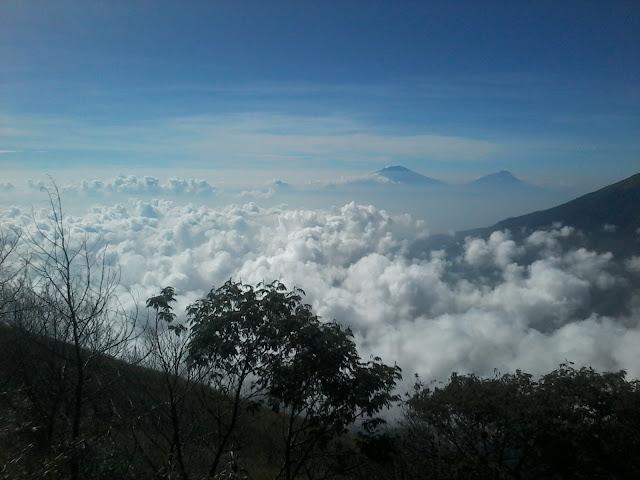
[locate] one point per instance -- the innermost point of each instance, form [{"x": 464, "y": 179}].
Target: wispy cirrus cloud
[{"x": 260, "y": 137}]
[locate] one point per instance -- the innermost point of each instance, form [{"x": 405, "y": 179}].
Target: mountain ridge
[
  {"x": 616, "y": 204},
  {"x": 609, "y": 218}
]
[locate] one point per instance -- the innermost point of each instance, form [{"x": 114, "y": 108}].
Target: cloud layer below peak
[{"x": 494, "y": 303}]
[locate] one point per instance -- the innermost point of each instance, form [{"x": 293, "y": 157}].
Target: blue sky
[{"x": 308, "y": 90}]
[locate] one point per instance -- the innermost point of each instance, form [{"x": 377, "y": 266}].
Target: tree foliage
[
  {"x": 264, "y": 343},
  {"x": 572, "y": 423}
]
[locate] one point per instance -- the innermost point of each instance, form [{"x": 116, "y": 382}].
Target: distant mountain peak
[
  {"x": 394, "y": 168},
  {"x": 503, "y": 177},
  {"x": 400, "y": 174}
]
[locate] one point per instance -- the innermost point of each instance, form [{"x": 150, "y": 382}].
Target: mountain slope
[
  {"x": 617, "y": 204},
  {"x": 609, "y": 218}
]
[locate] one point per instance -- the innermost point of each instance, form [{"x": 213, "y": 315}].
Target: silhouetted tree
[
  {"x": 263, "y": 343},
  {"x": 569, "y": 424},
  {"x": 10, "y": 269},
  {"x": 68, "y": 308}
]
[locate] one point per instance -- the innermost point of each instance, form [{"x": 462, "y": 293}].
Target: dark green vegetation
[
  {"x": 168, "y": 422},
  {"x": 569, "y": 424},
  {"x": 143, "y": 423},
  {"x": 252, "y": 384}
]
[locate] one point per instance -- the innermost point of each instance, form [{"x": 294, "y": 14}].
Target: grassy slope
[{"x": 127, "y": 405}]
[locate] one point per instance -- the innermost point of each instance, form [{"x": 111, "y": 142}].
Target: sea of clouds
[{"x": 495, "y": 303}]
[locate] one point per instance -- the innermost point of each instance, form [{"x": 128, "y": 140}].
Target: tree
[
  {"x": 263, "y": 343},
  {"x": 167, "y": 426},
  {"x": 472, "y": 426},
  {"x": 233, "y": 338},
  {"x": 70, "y": 308},
  {"x": 165, "y": 351},
  {"x": 11, "y": 270},
  {"x": 569, "y": 424},
  {"x": 11, "y": 281},
  {"x": 319, "y": 380},
  {"x": 187, "y": 426},
  {"x": 588, "y": 423}
]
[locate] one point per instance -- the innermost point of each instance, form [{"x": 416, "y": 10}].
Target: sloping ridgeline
[{"x": 609, "y": 218}]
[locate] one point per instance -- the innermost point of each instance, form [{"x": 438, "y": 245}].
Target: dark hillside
[
  {"x": 609, "y": 218},
  {"x": 127, "y": 421}
]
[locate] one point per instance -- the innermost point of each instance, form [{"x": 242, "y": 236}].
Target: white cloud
[
  {"x": 134, "y": 185},
  {"x": 499, "y": 250},
  {"x": 268, "y": 190},
  {"x": 633, "y": 264},
  {"x": 498, "y": 303}
]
